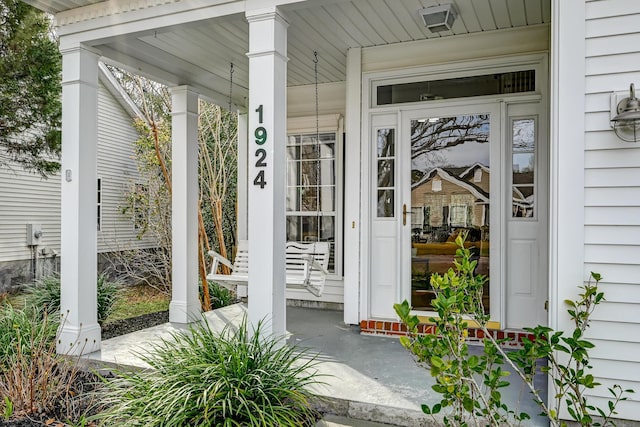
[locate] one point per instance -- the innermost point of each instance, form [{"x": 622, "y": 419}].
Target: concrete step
[{"x": 337, "y": 421}]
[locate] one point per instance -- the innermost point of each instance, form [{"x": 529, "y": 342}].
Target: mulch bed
[{"x": 126, "y": 326}]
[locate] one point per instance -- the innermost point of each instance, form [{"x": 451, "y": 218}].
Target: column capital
[
  {"x": 267, "y": 34},
  {"x": 80, "y": 65},
  {"x": 184, "y": 99},
  {"x": 69, "y": 48},
  {"x": 266, "y": 14}
]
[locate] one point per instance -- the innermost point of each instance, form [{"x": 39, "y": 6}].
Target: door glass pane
[
  {"x": 450, "y": 175},
  {"x": 523, "y": 136},
  {"x": 385, "y": 148}
]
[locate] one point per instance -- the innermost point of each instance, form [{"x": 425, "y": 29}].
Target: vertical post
[
  {"x": 243, "y": 157},
  {"x": 79, "y": 330},
  {"x": 352, "y": 204},
  {"x": 185, "y": 306},
  {"x": 267, "y": 165}
]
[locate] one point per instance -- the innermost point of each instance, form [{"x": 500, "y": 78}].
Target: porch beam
[
  {"x": 267, "y": 164},
  {"x": 79, "y": 330},
  {"x": 185, "y": 306}
]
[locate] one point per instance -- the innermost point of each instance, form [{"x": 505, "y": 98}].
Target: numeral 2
[{"x": 261, "y": 153}]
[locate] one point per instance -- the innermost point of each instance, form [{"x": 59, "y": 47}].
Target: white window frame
[{"x": 326, "y": 123}]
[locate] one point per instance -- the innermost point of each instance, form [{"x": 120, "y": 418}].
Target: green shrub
[
  {"x": 45, "y": 293},
  {"x": 470, "y": 386},
  {"x": 25, "y": 330},
  {"x": 219, "y": 295},
  {"x": 205, "y": 378},
  {"x": 34, "y": 380}
]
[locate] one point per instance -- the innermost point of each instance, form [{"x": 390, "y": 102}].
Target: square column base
[
  {"x": 76, "y": 341},
  {"x": 184, "y": 313}
]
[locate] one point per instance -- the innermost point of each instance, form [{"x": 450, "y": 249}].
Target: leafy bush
[
  {"x": 219, "y": 295},
  {"x": 35, "y": 382},
  {"x": 470, "y": 385},
  {"x": 45, "y": 293},
  {"x": 204, "y": 378}
]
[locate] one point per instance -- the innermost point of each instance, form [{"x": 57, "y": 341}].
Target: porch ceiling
[{"x": 199, "y": 53}]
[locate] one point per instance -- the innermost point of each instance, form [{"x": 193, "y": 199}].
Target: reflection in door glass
[
  {"x": 524, "y": 162},
  {"x": 450, "y": 177},
  {"x": 385, "y": 143}
]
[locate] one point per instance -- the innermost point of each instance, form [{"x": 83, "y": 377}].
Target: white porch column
[
  {"x": 79, "y": 329},
  {"x": 352, "y": 202},
  {"x": 185, "y": 305},
  {"x": 267, "y": 165}
]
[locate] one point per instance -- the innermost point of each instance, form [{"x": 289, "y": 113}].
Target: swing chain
[
  {"x": 318, "y": 202},
  {"x": 231, "y": 70}
]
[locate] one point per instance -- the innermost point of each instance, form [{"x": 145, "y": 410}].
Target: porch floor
[{"x": 371, "y": 378}]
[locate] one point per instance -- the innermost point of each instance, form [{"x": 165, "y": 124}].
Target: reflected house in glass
[
  {"x": 445, "y": 202},
  {"x": 445, "y": 199}
]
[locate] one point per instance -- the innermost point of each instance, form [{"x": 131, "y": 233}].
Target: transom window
[{"x": 458, "y": 87}]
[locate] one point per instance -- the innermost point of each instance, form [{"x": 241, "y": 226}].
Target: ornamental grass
[{"x": 201, "y": 377}]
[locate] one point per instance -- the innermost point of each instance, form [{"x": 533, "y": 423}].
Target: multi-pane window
[{"x": 311, "y": 189}]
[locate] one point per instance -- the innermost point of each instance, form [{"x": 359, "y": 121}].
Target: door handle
[{"x": 404, "y": 214}]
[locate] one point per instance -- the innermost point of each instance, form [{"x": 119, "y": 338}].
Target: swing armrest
[
  {"x": 219, "y": 259},
  {"x": 311, "y": 260}
]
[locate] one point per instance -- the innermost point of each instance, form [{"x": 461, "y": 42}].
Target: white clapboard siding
[
  {"x": 27, "y": 198},
  {"x": 118, "y": 171},
  {"x": 612, "y": 199}
]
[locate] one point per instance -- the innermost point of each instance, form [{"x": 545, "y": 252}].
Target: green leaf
[
  {"x": 437, "y": 362},
  {"x": 405, "y": 341},
  {"x": 473, "y": 361},
  {"x": 468, "y": 404}
]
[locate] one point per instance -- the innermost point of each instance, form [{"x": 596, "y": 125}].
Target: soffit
[{"x": 203, "y": 50}]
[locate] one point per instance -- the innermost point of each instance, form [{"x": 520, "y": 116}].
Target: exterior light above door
[
  {"x": 626, "y": 122},
  {"x": 439, "y": 18}
]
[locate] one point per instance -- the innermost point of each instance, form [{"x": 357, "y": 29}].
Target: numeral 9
[{"x": 261, "y": 135}]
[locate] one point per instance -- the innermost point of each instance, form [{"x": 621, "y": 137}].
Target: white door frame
[{"x": 370, "y": 80}]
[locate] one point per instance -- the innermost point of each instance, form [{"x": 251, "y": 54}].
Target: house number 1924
[{"x": 260, "y": 135}]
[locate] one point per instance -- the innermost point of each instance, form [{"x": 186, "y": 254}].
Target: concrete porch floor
[{"x": 367, "y": 379}]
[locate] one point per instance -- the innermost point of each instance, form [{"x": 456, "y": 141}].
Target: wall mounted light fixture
[
  {"x": 439, "y": 18},
  {"x": 626, "y": 122}
]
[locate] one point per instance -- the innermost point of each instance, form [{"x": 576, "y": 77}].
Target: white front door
[{"x": 476, "y": 167}]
